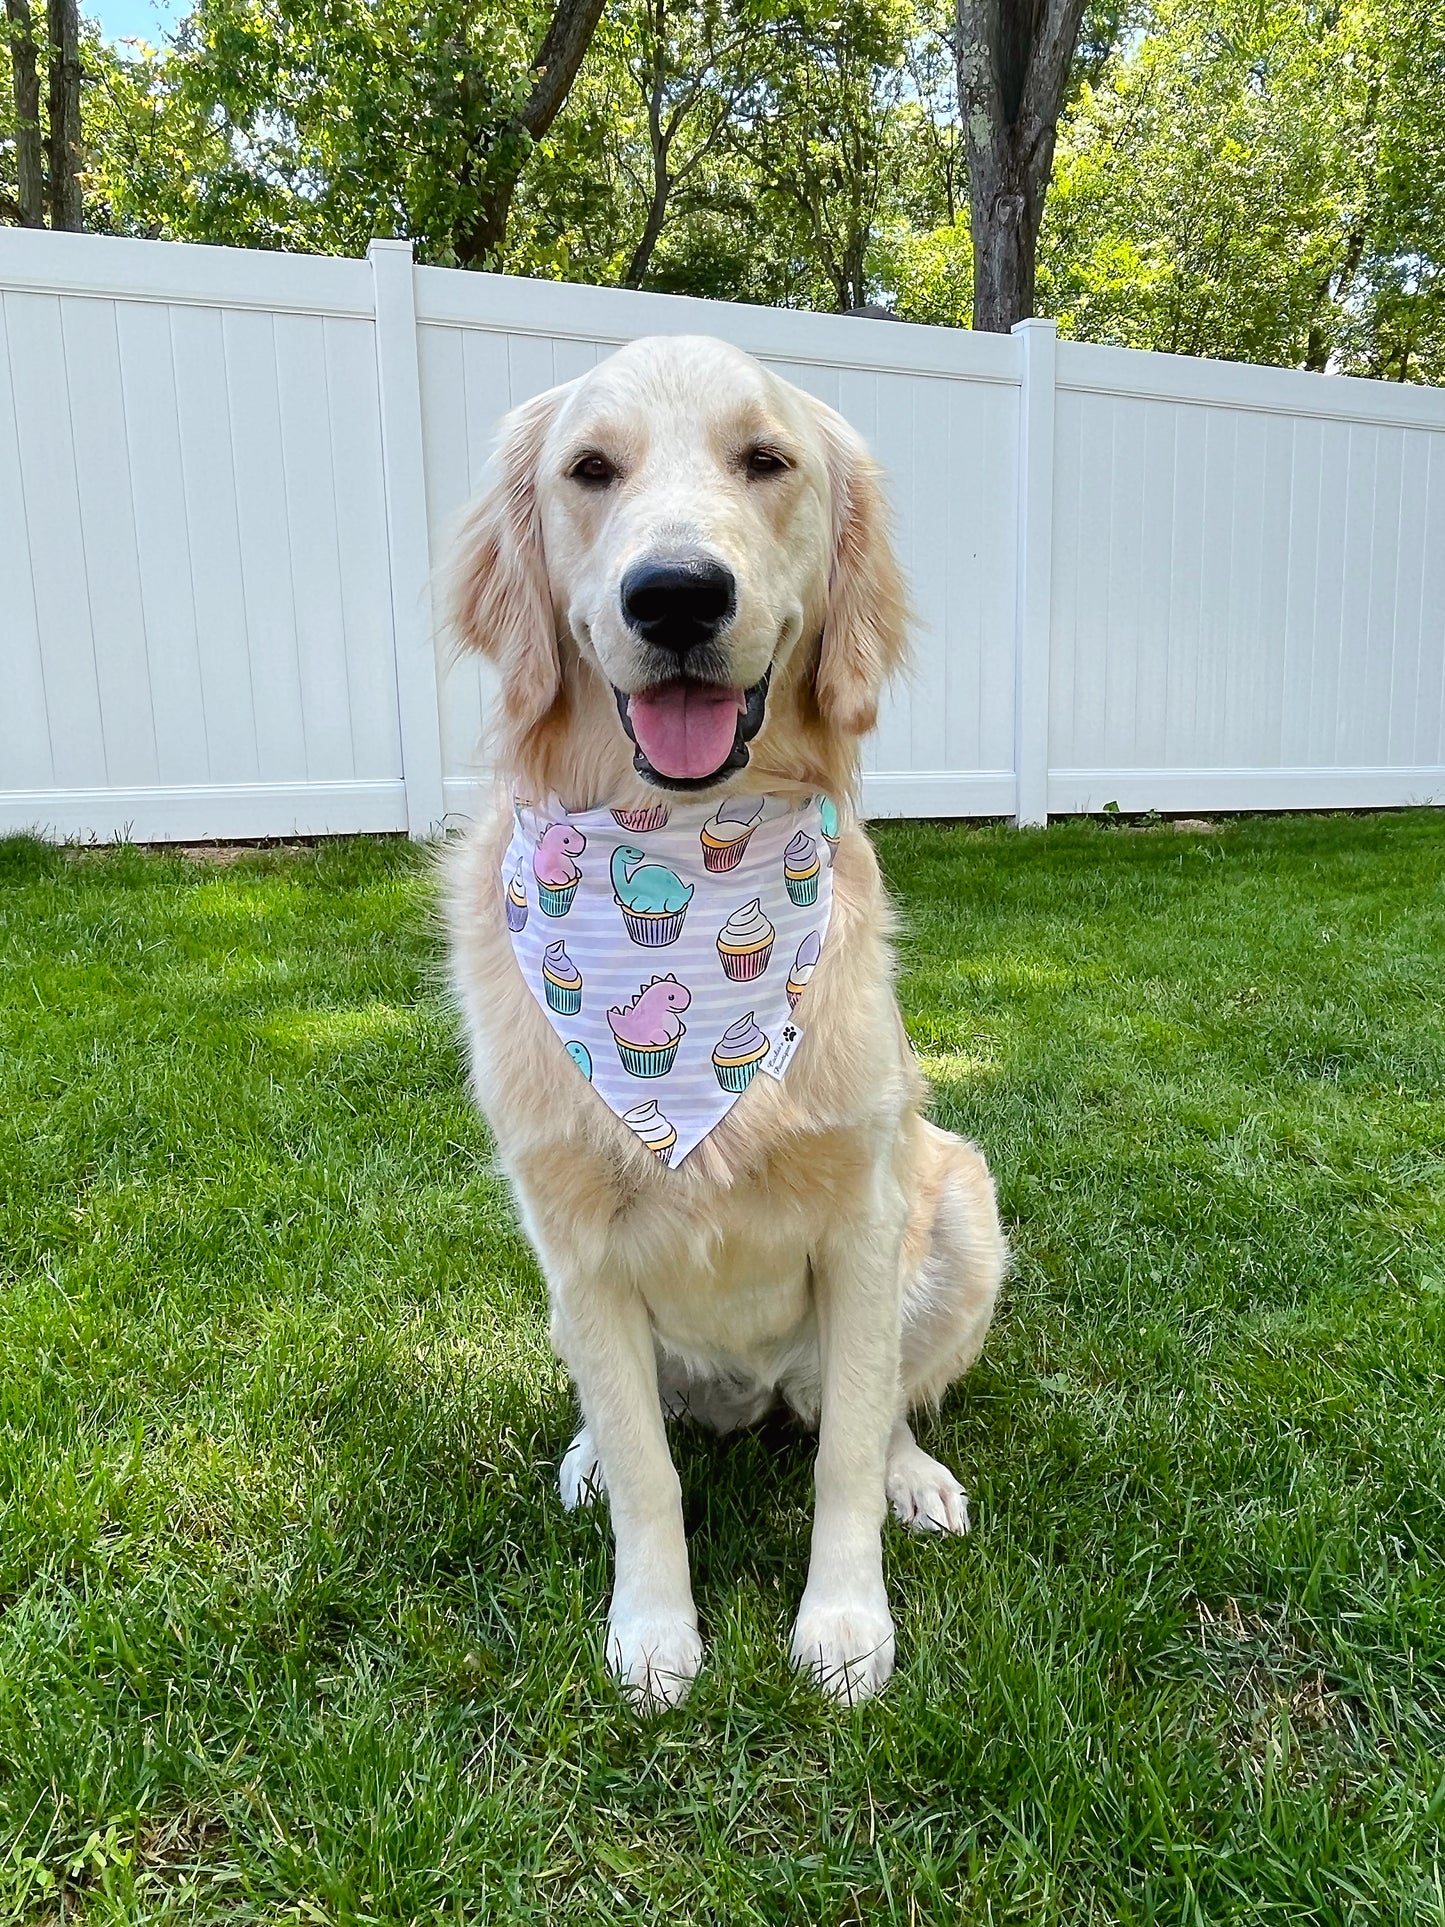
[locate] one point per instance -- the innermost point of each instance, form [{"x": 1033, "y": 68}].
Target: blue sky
[{"x": 144, "y": 19}]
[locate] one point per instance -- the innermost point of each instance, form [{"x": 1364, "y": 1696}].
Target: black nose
[{"x": 678, "y": 601}]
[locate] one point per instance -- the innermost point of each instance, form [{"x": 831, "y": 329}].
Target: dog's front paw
[
  {"x": 579, "y": 1477},
  {"x": 655, "y": 1657},
  {"x": 847, "y": 1645}
]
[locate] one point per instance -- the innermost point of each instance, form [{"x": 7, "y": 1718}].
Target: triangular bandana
[{"x": 669, "y": 946}]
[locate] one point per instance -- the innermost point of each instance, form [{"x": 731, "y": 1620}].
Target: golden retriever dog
[{"x": 825, "y": 1245}]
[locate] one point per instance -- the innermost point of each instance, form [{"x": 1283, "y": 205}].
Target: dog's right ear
[{"x": 498, "y": 598}]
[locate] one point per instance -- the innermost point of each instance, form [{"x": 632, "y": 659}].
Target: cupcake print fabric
[{"x": 669, "y": 946}]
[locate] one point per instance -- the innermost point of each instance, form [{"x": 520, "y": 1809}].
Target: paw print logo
[{"x": 789, "y": 1033}]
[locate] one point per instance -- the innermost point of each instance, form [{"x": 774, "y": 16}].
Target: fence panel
[
  {"x": 1139, "y": 578},
  {"x": 1248, "y": 587},
  {"x": 194, "y": 588}
]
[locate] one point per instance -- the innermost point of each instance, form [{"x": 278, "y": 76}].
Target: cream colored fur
[{"x": 826, "y": 1244}]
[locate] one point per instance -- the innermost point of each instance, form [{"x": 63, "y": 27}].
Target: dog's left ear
[
  {"x": 498, "y": 598},
  {"x": 865, "y": 627}
]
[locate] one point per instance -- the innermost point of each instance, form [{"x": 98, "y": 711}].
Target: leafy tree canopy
[{"x": 1232, "y": 179}]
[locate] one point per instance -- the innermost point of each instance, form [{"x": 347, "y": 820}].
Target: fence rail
[{"x": 225, "y": 478}]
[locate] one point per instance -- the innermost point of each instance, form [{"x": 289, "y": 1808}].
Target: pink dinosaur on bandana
[
  {"x": 649, "y": 1019},
  {"x": 552, "y": 863}
]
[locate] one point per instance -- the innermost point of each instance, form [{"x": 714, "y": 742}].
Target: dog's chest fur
[{"x": 720, "y": 1248}]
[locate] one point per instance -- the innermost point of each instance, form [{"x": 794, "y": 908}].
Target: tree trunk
[
  {"x": 562, "y": 51},
  {"x": 855, "y": 271},
  {"x": 65, "y": 149},
  {"x": 652, "y": 230},
  {"x": 1013, "y": 69},
  {"x": 1334, "y": 287},
  {"x": 1005, "y": 241},
  {"x": 658, "y": 142},
  {"x": 29, "y": 150}
]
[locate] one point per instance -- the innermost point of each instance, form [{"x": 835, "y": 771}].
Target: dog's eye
[
  {"x": 766, "y": 461},
  {"x": 595, "y": 470}
]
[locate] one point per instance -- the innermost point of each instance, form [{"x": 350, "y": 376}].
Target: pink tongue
[{"x": 684, "y": 730}]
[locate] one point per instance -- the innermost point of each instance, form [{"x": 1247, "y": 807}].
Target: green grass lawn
[{"x": 295, "y": 1629}]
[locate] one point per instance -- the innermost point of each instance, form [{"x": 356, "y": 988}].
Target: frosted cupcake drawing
[
  {"x": 738, "y": 1053},
  {"x": 562, "y": 980},
  {"x": 556, "y": 873},
  {"x": 641, "y": 821},
  {"x": 648, "y": 1031},
  {"x": 653, "y": 899},
  {"x": 828, "y": 822},
  {"x": 516, "y": 902},
  {"x": 726, "y": 834},
  {"x": 581, "y": 1057},
  {"x": 801, "y": 867},
  {"x": 652, "y": 1127},
  {"x": 745, "y": 943},
  {"x": 804, "y": 965}
]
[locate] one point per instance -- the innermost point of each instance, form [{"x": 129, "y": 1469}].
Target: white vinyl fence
[{"x": 225, "y": 479}]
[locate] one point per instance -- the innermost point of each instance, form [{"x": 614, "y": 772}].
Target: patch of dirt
[
  {"x": 1280, "y": 1706},
  {"x": 224, "y": 853},
  {"x": 180, "y": 1839}
]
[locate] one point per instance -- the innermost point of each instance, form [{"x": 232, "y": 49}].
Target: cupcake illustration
[
  {"x": 641, "y": 821},
  {"x": 562, "y": 980},
  {"x": 801, "y": 867},
  {"x": 648, "y": 1031},
  {"x": 556, "y": 873},
  {"x": 581, "y": 1057},
  {"x": 828, "y": 821},
  {"x": 745, "y": 943},
  {"x": 738, "y": 1053},
  {"x": 516, "y": 901},
  {"x": 653, "y": 899},
  {"x": 726, "y": 834},
  {"x": 804, "y": 965},
  {"x": 652, "y": 1127}
]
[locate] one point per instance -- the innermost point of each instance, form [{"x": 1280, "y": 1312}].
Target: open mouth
[{"x": 689, "y": 735}]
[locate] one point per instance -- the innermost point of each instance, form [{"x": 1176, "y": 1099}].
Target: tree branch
[
  {"x": 1044, "y": 84},
  {"x": 563, "y": 48},
  {"x": 29, "y": 147},
  {"x": 980, "y": 97},
  {"x": 560, "y": 55},
  {"x": 66, "y": 208}
]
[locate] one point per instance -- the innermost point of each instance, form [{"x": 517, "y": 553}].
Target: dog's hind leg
[
  {"x": 718, "y": 1404},
  {"x": 580, "y": 1477},
  {"x": 955, "y": 1258},
  {"x": 922, "y": 1493}
]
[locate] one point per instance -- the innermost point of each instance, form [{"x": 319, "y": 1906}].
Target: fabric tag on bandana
[
  {"x": 669, "y": 947},
  {"x": 781, "y": 1055}
]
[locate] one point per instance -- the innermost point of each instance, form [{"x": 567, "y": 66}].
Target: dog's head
[{"x": 688, "y": 552}]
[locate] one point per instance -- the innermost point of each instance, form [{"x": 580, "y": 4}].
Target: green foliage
[
  {"x": 1231, "y": 179},
  {"x": 930, "y": 274},
  {"x": 668, "y": 88},
  {"x": 1260, "y": 183},
  {"x": 787, "y": 157},
  {"x": 295, "y": 1628},
  {"x": 316, "y": 124}
]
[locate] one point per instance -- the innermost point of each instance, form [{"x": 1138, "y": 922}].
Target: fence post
[
  {"x": 404, "y": 481},
  {"x": 1038, "y": 345}
]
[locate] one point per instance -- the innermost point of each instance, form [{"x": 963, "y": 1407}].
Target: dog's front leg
[
  {"x": 844, "y": 1632},
  {"x": 604, "y": 1335}
]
